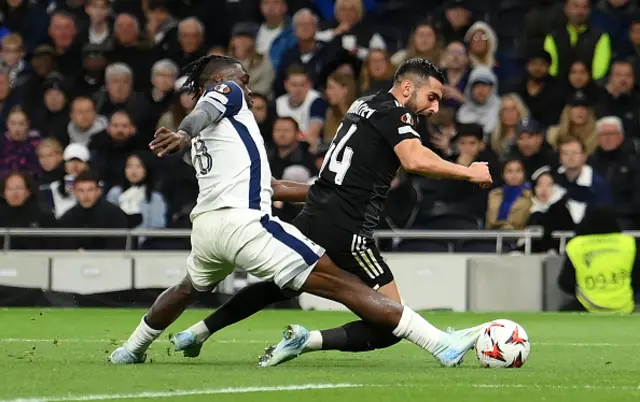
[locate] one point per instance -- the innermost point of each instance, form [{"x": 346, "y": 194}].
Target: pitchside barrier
[{"x": 487, "y": 282}]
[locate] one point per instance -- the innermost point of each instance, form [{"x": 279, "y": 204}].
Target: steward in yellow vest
[{"x": 600, "y": 266}]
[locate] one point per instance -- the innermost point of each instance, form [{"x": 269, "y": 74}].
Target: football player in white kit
[{"x": 233, "y": 226}]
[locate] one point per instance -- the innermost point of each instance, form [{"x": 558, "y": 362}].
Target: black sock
[
  {"x": 358, "y": 336},
  {"x": 248, "y": 301}
]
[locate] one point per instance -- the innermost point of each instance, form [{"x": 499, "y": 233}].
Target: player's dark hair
[
  {"x": 296, "y": 126},
  {"x": 418, "y": 67},
  {"x": 199, "y": 72}
]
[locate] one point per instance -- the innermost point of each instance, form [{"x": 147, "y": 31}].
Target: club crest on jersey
[
  {"x": 407, "y": 119},
  {"x": 222, "y": 88}
]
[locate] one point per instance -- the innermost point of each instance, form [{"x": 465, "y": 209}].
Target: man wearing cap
[
  {"x": 52, "y": 117},
  {"x": 538, "y": 89},
  {"x": 94, "y": 62},
  {"x": 531, "y": 147}
]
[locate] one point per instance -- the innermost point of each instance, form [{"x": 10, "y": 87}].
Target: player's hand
[
  {"x": 166, "y": 142},
  {"x": 479, "y": 173}
]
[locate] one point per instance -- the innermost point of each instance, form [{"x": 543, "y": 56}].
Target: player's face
[
  {"x": 544, "y": 187},
  {"x": 242, "y": 79},
  {"x": 609, "y": 138},
  {"x": 425, "y": 100},
  {"x": 529, "y": 144},
  {"x": 513, "y": 174},
  {"x": 578, "y": 75},
  {"x": 87, "y": 193},
  {"x": 16, "y": 191}
]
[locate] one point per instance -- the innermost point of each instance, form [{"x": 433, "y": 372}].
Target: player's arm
[
  {"x": 419, "y": 159},
  {"x": 289, "y": 191}
]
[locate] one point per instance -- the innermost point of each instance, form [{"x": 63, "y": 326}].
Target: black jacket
[
  {"x": 546, "y": 106},
  {"x": 30, "y": 215},
  {"x": 545, "y": 157},
  {"x": 103, "y": 215},
  {"x": 626, "y": 107}
]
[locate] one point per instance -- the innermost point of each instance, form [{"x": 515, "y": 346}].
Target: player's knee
[{"x": 185, "y": 288}]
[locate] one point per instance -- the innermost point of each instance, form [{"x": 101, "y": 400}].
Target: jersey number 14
[{"x": 339, "y": 167}]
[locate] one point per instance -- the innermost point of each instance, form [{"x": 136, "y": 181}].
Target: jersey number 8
[
  {"x": 339, "y": 167},
  {"x": 201, "y": 158}
]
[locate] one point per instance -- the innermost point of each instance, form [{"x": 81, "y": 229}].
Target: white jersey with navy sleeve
[{"x": 229, "y": 157}]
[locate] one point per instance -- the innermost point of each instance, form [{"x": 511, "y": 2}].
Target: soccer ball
[{"x": 504, "y": 344}]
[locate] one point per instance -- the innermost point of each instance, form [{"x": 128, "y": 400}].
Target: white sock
[
  {"x": 201, "y": 331},
  {"x": 142, "y": 337},
  {"x": 315, "y": 341},
  {"x": 416, "y": 329}
]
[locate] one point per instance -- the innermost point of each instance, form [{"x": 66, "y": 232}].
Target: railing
[
  {"x": 498, "y": 235},
  {"x": 564, "y": 235}
]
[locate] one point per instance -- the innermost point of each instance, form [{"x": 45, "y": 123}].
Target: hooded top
[
  {"x": 83, "y": 137},
  {"x": 487, "y": 114},
  {"x": 492, "y": 39}
]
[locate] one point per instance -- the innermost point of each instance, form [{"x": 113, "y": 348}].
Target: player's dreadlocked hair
[
  {"x": 419, "y": 67},
  {"x": 199, "y": 72}
]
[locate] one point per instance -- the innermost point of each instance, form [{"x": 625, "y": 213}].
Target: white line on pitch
[
  {"x": 250, "y": 341},
  {"x": 178, "y": 393}
]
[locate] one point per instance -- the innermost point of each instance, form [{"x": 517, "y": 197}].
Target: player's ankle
[
  {"x": 315, "y": 341},
  {"x": 200, "y": 331}
]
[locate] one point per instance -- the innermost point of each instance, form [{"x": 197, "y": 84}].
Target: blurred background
[{"x": 543, "y": 90}]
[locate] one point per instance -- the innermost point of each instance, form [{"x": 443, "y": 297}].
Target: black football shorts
[{"x": 351, "y": 252}]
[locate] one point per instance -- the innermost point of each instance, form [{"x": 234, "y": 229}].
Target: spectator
[
  {"x": 162, "y": 27},
  {"x": 98, "y": 32},
  {"x": 349, "y": 29},
  {"x": 302, "y": 103},
  {"x": 27, "y": 18},
  {"x": 287, "y": 151},
  {"x": 423, "y": 42},
  {"x": 509, "y": 205},
  {"x": 583, "y": 185},
  {"x": 600, "y": 250},
  {"x": 482, "y": 42},
  {"x": 8, "y": 99},
  {"x": 51, "y": 162},
  {"x": 512, "y": 110},
  {"x": 456, "y": 67},
  {"x": 264, "y": 117},
  {"x": 113, "y": 146},
  {"x": 93, "y": 212},
  {"x": 576, "y": 121},
  {"x": 377, "y": 73},
  {"x": 18, "y": 145},
  {"x": 314, "y": 55},
  {"x": 285, "y": 210},
  {"x": 118, "y": 91},
  {"x": 615, "y": 17},
  {"x": 580, "y": 80},
  {"x": 182, "y": 104},
  {"x": 340, "y": 94},
  {"x": 20, "y": 209},
  {"x": 578, "y": 41},
  {"x": 540, "y": 91},
  {"x": 63, "y": 31},
  {"x": 191, "y": 40},
  {"x": 548, "y": 210},
  {"x": 633, "y": 52},
  {"x": 94, "y": 63},
  {"x": 137, "y": 197},
  {"x": 460, "y": 196},
  {"x": 275, "y": 35},
  {"x": 620, "y": 99},
  {"x": 243, "y": 48},
  {"x": 456, "y": 22},
  {"x": 42, "y": 64},
  {"x": 482, "y": 104},
  {"x": 59, "y": 195},
  {"x": 85, "y": 122},
  {"x": 620, "y": 168},
  {"x": 128, "y": 49},
  {"x": 531, "y": 147},
  {"x": 442, "y": 129},
  {"x": 156, "y": 101},
  {"x": 12, "y": 59},
  {"x": 52, "y": 118}
]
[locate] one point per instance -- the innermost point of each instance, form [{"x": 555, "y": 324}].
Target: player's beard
[{"x": 412, "y": 103}]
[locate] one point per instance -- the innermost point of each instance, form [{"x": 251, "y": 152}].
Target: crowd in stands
[{"x": 544, "y": 91}]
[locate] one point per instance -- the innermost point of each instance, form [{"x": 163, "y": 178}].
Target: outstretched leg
[{"x": 164, "y": 311}]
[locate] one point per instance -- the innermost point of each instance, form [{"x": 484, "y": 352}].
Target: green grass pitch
[{"x": 52, "y": 355}]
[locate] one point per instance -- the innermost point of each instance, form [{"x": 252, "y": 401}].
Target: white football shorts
[{"x": 250, "y": 240}]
